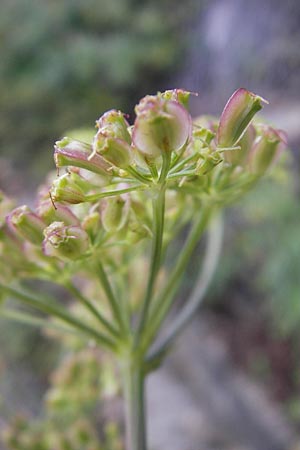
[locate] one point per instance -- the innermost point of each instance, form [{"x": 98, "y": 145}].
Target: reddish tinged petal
[
  {"x": 26, "y": 224},
  {"x": 161, "y": 126},
  {"x": 237, "y": 115},
  {"x": 238, "y": 157},
  {"x": 267, "y": 149},
  {"x": 114, "y": 213},
  {"x": 114, "y": 150},
  {"x": 50, "y": 213},
  {"x": 179, "y": 95},
  {"x": 115, "y": 125},
  {"x": 77, "y": 154}
]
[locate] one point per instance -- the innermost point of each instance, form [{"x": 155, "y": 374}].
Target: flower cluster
[
  {"x": 113, "y": 177},
  {"x": 132, "y": 185}
]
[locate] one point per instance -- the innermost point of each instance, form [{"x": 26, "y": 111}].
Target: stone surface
[{"x": 198, "y": 401}]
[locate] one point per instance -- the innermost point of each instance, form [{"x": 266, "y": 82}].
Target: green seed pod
[
  {"x": 65, "y": 242},
  {"x": 114, "y": 213},
  {"x": 92, "y": 224},
  {"x": 66, "y": 189},
  {"x": 24, "y": 222}
]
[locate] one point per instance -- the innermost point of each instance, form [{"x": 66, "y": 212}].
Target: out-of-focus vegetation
[
  {"x": 80, "y": 408},
  {"x": 65, "y": 62},
  {"x": 265, "y": 243}
]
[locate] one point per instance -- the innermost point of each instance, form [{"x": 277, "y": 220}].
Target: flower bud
[
  {"x": 69, "y": 152},
  {"x": 66, "y": 189},
  {"x": 115, "y": 125},
  {"x": 178, "y": 95},
  {"x": 266, "y": 149},
  {"x": 239, "y": 156},
  {"x": 58, "y": 213},
  {"x": 207, "y": 162},
  {"x": 138, "y": 231},
  {"x": 236, "y": 116},
  {"x": 114, "y": 150},
  {"x": 65, "y": 242},
  {"x": 161, "y": 126},
  {"x": 24, "y": 222},
  {"x": 91, "y": 224},
  {"x": 204, "y": 135},
  {"x": 112, "y": 141},
  {"x": 114, "y": 213}
]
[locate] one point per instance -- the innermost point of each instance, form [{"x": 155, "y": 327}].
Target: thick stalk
[
  {"x": 134, "y": 404},
  {"x": 212, "y": 254},
  {"x": 164, "y": 301},
  {"x": 158, "y": 207}
]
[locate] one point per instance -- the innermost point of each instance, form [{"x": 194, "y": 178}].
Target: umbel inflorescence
[{"x": 102, "y": 226}]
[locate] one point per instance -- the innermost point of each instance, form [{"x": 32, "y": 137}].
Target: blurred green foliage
[
  {"x": 263, "y": 250},
  {"x": 65, "y": 62}
]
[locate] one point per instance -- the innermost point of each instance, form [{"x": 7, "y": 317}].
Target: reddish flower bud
[
  {"x": 178, "y": 95},
  {"x": 65, "y": 242},
  {"x": 239, "y": 156},
  {"x": 114, "y": 125},
  {"x": 161, "y": 126},
  {"x": 114, "y": 213},
  {"x": 266, "y": 149},
  {"x": 236, "y": 116},
  {"x": 67, "y": 190},
  {"x": 92, "y": 224},
  {"x": 114, "y": 150},
  {"x": 75, "y": 153},
  {"x": 56, "y": 213},
  {"x": 24, "y": 222},
  {"x": 113, "y": 139}
]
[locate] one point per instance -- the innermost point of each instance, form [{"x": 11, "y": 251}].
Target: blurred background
[{"x": 234, "y": 382}]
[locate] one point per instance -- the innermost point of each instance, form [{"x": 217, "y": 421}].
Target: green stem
[
  {"x": 116, "y": 309},
  {"x": 158, "y": 207},
  {"x": 164, "y": 301},
  {"x": 212, "y": 254},
  {"x": 60, "y": 313},
  {"x": 134, "y": 403},
  {"x": 182, "y": 163},
  {"x": 89, "y": 305},
  {"x": 95, "y": 197},
  {"x": 137, "y": 175},
  {"x": 166, "y": 161},
  {"x": 182, "y": 174},
  {"x": 28, "y": 319}
]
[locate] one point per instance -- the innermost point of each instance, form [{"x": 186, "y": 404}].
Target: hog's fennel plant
[{"x": 131, "y": 188}]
